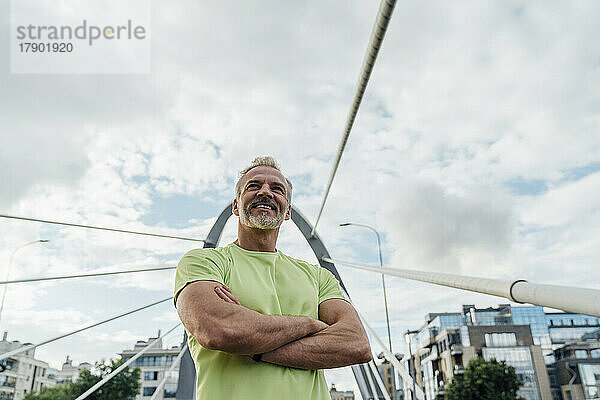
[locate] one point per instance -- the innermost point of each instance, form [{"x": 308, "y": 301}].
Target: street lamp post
[
  {"x": 12, "y": 256},
  {"x": 411, "y": 363},
  {"x": 387, "y": 315}
]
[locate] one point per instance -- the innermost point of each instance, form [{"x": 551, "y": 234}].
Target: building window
[
  {"x": 8, "y": 381},
  {"x": 595, "y": 353},
  {"x": 153, "y": 361},
  {"x": 149, "y": 390},
  {"x": 519, "y": 358},
  {"x": 568, "y": 392},
  {"x": 581, "y": 354},
  {"x": 500, "y": 339},
  {"x": 169, "y": 393},
  {"x": 150, "y": 375},
  {"x": 8, "y": 364}
]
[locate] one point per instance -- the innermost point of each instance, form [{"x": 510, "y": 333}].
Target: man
[{"x": 263, "y": 325}]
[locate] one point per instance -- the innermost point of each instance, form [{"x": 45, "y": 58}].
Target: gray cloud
[
  {"x": 27, "y": 158},
  {"x": 434, "y": 228}
]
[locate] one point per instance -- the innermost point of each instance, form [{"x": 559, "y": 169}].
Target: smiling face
[{"x": 263, "y": 199}]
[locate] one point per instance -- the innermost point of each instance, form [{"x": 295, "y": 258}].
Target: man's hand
[
  {"x": 342, "y": 343},
  {"x": 226, "y": 294}
]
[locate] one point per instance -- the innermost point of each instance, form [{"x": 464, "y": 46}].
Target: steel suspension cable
[
  {"x": 52, "y": 278},
  {"x": 33, "y": 346},
  {"x": 377, "y": 376},
  {"x": 123, "y": 366},
  {"x": 171, "y": 368},
  {"x": 567, "y": 298},
  {"x": 391, "y": 358},
  {"x": 371, "y": 384},
  {"x": 388, "y": 354},
  {"x": 44, "y": 221},
  {"x": 384, "y": 14}
]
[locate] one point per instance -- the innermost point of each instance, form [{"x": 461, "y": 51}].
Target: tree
[
  {"x": 484, "y": 380},
  {"x": 62, "y": 392},
  {"x": 124, "y": 386}
]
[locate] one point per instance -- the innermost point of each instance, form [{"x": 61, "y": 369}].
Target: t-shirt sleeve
[
  {"x": 198, "y": 265},
  {"x": 329, "y": 287}
]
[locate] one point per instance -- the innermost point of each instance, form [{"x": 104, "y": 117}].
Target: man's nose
[{"x": 265, "y": 190}]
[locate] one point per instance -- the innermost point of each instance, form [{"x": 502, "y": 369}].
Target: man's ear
[
  {"x": 234, "y": 208},
  {"x": 288, "y": 213}
]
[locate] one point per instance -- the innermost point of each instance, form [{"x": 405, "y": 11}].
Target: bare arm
[
  {"x": 342, "y": 343},
  {"x": 230, "y": 327}
]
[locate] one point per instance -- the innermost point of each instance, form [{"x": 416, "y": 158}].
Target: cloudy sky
[{"x": 476, "y": 151}]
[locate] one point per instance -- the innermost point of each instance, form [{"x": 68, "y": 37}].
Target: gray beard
[{"x": 262, "y": 221}]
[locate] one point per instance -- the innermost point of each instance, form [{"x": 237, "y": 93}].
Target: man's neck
[{"x": 254, "y": 239}]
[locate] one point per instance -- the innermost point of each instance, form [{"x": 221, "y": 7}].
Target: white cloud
[{"x": 570, "y": 203}]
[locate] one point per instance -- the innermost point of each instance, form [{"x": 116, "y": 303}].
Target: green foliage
[
  {"x": 124, "y": 385},
  {"x": 485, "y": 380},
  {"x": 62, "y": 392}
]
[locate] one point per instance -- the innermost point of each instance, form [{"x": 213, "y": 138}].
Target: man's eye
[
  {"x": 278, "y": 189},
  {"x": 252, "y": 185}
]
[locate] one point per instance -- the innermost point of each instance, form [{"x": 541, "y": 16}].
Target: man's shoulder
[{"x": 220, "y": 254}]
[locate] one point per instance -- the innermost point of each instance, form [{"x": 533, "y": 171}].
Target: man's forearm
[
  {"x": 248, "y": 332},
  {"x": 221, "y": 323},
  {"x": 333, "y": 347}
]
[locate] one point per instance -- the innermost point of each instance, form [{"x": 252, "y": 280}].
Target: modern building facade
[
  {"x": 577, "y": 370},
  {"x": 525, "y": 337},
  {"x": 154, "y": 365}
]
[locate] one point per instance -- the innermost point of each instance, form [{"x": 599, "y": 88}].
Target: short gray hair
[{"x": 262, "y": 161}]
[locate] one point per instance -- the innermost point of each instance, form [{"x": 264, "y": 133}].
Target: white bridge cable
[
  {"x": 386, "y": 352},
  {"x": 371, "y": 384},
  {"x": 160, "y": 386},
  {"x": 123, "y": 366},
  {"x": 392, "y": 359},
  {"x": 384, "y": 14},
  {"x": 567, "y": 298},
  {"x": 386, "y": 395},
  {"x": 33, "y": 346},
  {"x": 44, "y": 221},
  {"x": 52, "y": 278}
]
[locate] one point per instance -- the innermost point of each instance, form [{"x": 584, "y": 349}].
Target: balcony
[{"x": 456, "y": 349}]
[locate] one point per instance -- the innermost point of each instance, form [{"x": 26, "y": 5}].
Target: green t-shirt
[{"x": 271, "y": 284}]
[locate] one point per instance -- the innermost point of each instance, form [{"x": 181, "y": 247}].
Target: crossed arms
[{"x": 212, "y": 314}]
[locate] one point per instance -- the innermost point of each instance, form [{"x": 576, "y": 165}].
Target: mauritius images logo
[{"x": 87, "y": 32}]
